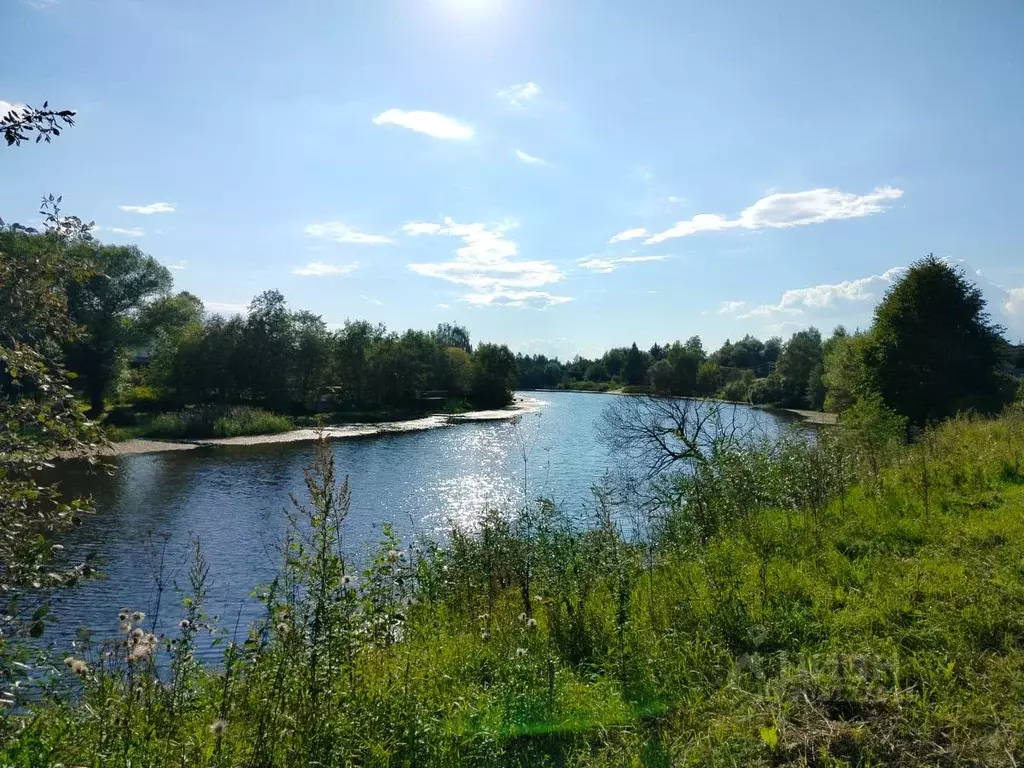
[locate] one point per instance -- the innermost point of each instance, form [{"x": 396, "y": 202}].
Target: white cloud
[
  {"x": 530, "y": 159},
  {"x": 218, "y": 307},
  {"x": 486, "y": 263},
  {"x": 677, "y": 200},
  {"x": 730, "y": 307},
  {"x": 1015, "y": 301},
  {"x": 342, "y": 233},
  {"x": 323, "y": 269},
  {"x": 826, "y": 295},
  {"x": 788, "y": 209},
  {"x": 126, "y": 231},
  {"x": 605, "y": 266},
  {"x": 178, "y": 266},
  {"x": 517, "y": 94},
  {"x": 444, "y": 306},
  {"x": 146, "y": 210},
  {"x": 372, "y": 300},
  {"x": 629, "y": 234},
  {"x": 431, "y": 123},
  {"x": 524, "y": 299}
]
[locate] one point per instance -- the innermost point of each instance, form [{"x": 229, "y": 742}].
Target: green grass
[
  {"x": 210, "y": 422},
  {"x": 847, "y": 602}
]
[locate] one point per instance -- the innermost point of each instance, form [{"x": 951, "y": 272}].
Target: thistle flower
[
  {"x": 218, "y": 726},
  {"x": 346, "y": 580},
  {"x": 122, "y": 616},
  {"x": 522, "y": 616},
  {"x": 138, "y": 616},
  {"x": 282, "y": 628},
  {"x": 393, "y": 555},
  {"x": 138, "y": 633},
  {"x": 79, "y": 667},
  {"x": 124, "y": 627},
  {"x": 184, "y": 624},
  {"x": 144, "y": 649},
  {"x": 69, "y": 661},
  {"x": 531, "y": 624},
  {"x": 521, "y": 652},
  {"x": 485, "y": 635}
]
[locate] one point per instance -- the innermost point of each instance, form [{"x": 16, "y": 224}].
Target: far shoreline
[{"x": 820, "y": 418}]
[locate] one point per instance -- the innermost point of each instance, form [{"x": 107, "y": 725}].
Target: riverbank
[
  {"x": 856, "y": 612},
  {"x": 337, "y": 432}
]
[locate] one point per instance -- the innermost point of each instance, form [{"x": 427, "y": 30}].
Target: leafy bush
[
  {"x": 143, "y": 398},
  {"x": 738, "y": 390},
  {"x": 230, "y": 421},
  {"x": 766, "y": 391},
  {"x": 250, "y": 421}
]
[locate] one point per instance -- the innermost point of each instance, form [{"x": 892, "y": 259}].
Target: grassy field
[{"x": 847, "y": 602}]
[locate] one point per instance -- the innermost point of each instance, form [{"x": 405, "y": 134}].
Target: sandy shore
[
  {"x": 814, "y": 417},
  {"x": 519, "y": 406}
]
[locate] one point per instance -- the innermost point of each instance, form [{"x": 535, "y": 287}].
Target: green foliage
[
  {"x": 709, "y": 378},
  {"x": 934, "y": 351},
  {"x": 39, "y": 419},
  {"x": 846, "y": 376},
  {"x": 494, "y": 375},
  {"x": 766, "y": 391},
  {"x": 107, "y": 305},
  {"x": 738, "y": 389},
  {"x": 217, "y": 421},
  {"x": 794, "y": 606},
  {"x": 799, "y": 363},
  {"x": 634, "y": 367}
]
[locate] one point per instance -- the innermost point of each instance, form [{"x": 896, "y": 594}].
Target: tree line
[
  {"x": 139, "y": 343},
  {"x": 930, "y": 352}
]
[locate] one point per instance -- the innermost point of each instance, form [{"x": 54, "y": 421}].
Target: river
[{"x": 232, "y": 499}]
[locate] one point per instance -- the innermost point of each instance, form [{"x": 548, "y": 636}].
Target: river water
[{"x": 232, "y": 499}]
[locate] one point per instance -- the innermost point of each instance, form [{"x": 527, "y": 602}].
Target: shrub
[
  {"x": 231, "y": 421},
  {"x": 250, "y": 421},
  {"x": 766, "y": 391}
]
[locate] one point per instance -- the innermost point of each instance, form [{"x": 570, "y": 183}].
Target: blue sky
[{"x": 560, "y": 176}]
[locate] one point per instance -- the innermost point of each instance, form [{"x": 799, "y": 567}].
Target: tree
[
  {"x": 39, "y": 415},
  {"x": 709, "y": 378},
  {"x": 634, "y": 369},
  {"x": 798, "y": 361},
  {"x": 106, "y": 305},
  {"x": 450, "y": 335},
  {"x": 845, "y": 374},
  {"x": 494, "y": 376},
  {"x": 161, "y": 326},
  {"x": 597, "y": 372},
  {"x": 934, "y": 350}
]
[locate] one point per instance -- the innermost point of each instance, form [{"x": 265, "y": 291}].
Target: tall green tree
[
  {"x": 451, "y": 335},
  {"x": 935, "y": 350},
  {"x": 107, "y": 305},
  {"x": 634, "y": 369},
  {"x": 800, "y": 359},
  {"x": 494, "y": 375}
]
